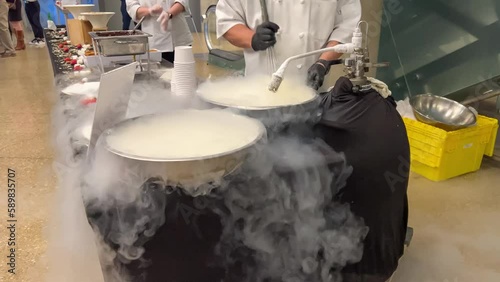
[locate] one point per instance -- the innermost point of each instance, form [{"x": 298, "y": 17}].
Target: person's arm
[
  {"x": 178, "y": 7},
  {"x": 141, "y": 12},
  {"x": 136, "y": 11},
  {"x": 345, "y": 23},
  {"x": 240, "y": 36},
  {"x": 330, "y": 56},
  {"x": 230, "y": 16},
  {"x": 231, "y": 24}
]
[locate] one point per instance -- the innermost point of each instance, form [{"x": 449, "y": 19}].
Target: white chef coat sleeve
[
  {"x": 229, "y": 13},
  {"x": 347, "y": 17},
  {"x": 132, "y": 7}
]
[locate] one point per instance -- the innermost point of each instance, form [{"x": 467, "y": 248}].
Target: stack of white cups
[
  {"x": 172, "y": 82},
  {"x": 184, "y": 75}
]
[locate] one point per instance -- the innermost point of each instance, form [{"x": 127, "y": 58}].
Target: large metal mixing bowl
[
  {"x": 442, "y": 112},
  {"x": 273, "y": 117},
  {"x": 192, "y": 171}
]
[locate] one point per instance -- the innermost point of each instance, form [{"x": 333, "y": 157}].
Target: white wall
[
  {"x": 115, "y": 23},
  {"x": 372, "y": 14},
  {"x": 205, "y": 3}
]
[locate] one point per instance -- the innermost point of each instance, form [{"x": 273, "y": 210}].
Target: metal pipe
[
  {"x": 263, "y": 7},
  {"x": 486, "y": 95},
  {"x": 278, "y": 75},
  {"x": 138, "y": 24},
  {"x": 271, "y": 57},
  {"x": 206, "y": 32}
]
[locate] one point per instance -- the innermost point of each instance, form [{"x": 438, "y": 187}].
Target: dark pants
[
  {"x": 168, "y": 56},
  {"x": 16, "y": 15},
  {"x": 33, "y": 13},
  {"x": 126, "y": 19}
]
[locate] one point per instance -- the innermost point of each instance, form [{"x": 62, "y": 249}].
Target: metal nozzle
[{"x": 275, "y": 83}]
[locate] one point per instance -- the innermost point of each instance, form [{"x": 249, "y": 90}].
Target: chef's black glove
[
  {"x": 316, "y": 73},
  {"x": 265, "y": 36}
]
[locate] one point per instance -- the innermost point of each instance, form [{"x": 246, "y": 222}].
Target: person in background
[
  {"x": 126, "y": 19},
  {"x": 165, "y": 21},
  {"x": 6, "y": 46},
  {"x": 295, "y": 27},
  {"x": 16, "y": 21},
  {"x": 368, "y": 129},
  {"x": 32, "y": 8}
]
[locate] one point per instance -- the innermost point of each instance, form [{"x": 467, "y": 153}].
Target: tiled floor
[
  {"x": 25, "y": 110},
  {"x": 457, "y": 235}
]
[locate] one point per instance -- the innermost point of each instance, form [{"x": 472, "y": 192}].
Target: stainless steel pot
[
  {"x": 274, "y": 117},
  {"x": 442, "y": 112},
  {"x": 121, "y": 42},
  {"x": 445, "y": 113},
  {"x": 192, "y": 172}
]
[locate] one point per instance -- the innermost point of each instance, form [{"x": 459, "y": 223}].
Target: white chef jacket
[
  {"x": 305, "y": 25},
  {"x": 177, "y": 34}
]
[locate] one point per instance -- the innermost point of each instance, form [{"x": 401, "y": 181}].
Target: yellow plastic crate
[
  {"x": 438, "y": 154},
  {"x": 490, "y": 148}
]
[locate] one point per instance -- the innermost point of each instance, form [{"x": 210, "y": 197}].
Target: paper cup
[
  {"x": 185, "y": 93},
  {"x": 181, "y": 74},
  {"x": 173, "y": 87},
  {"x": 185, "y": 67},
  {"x": 185, "y": 86},
  {"x": 167, "y": 75},
  {"x": 185, "y": 73},
  {"x": 184, "y": 76},
  {"x": 184, "y": 63},
  {"x": 183, "y": 54}
]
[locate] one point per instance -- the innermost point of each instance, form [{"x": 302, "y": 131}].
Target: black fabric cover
[
  {"x": 366, "y": 127},
  {"x": 371, "y": 133}
]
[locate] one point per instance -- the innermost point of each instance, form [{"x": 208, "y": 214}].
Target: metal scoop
[
  {"x": 137, "y": 25},
  {"x": 271, "y": 57}
]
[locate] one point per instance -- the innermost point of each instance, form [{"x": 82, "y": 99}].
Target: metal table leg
[
  {"x": 97, "y": 53},
  {"x": 149, "y": 59},
  {"x": 498, "y": 104}
]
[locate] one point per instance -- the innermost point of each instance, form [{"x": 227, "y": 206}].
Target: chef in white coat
[
  {"x": 295, "y": 27},
  {"x": 165, "y": 21}
]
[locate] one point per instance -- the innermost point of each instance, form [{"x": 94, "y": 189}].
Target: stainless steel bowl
[
  {"x": 191, "y": 171},
  {"x": 273, "y": 117},
  {"x": 442, "y": 112},
  {"x": 120, "y": 42}
]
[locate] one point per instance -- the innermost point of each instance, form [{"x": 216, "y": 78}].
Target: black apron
[{"x": 371, "y": 133}]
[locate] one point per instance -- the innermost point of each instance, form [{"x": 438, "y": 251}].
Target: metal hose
[{"x": 486, "y": 95}]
